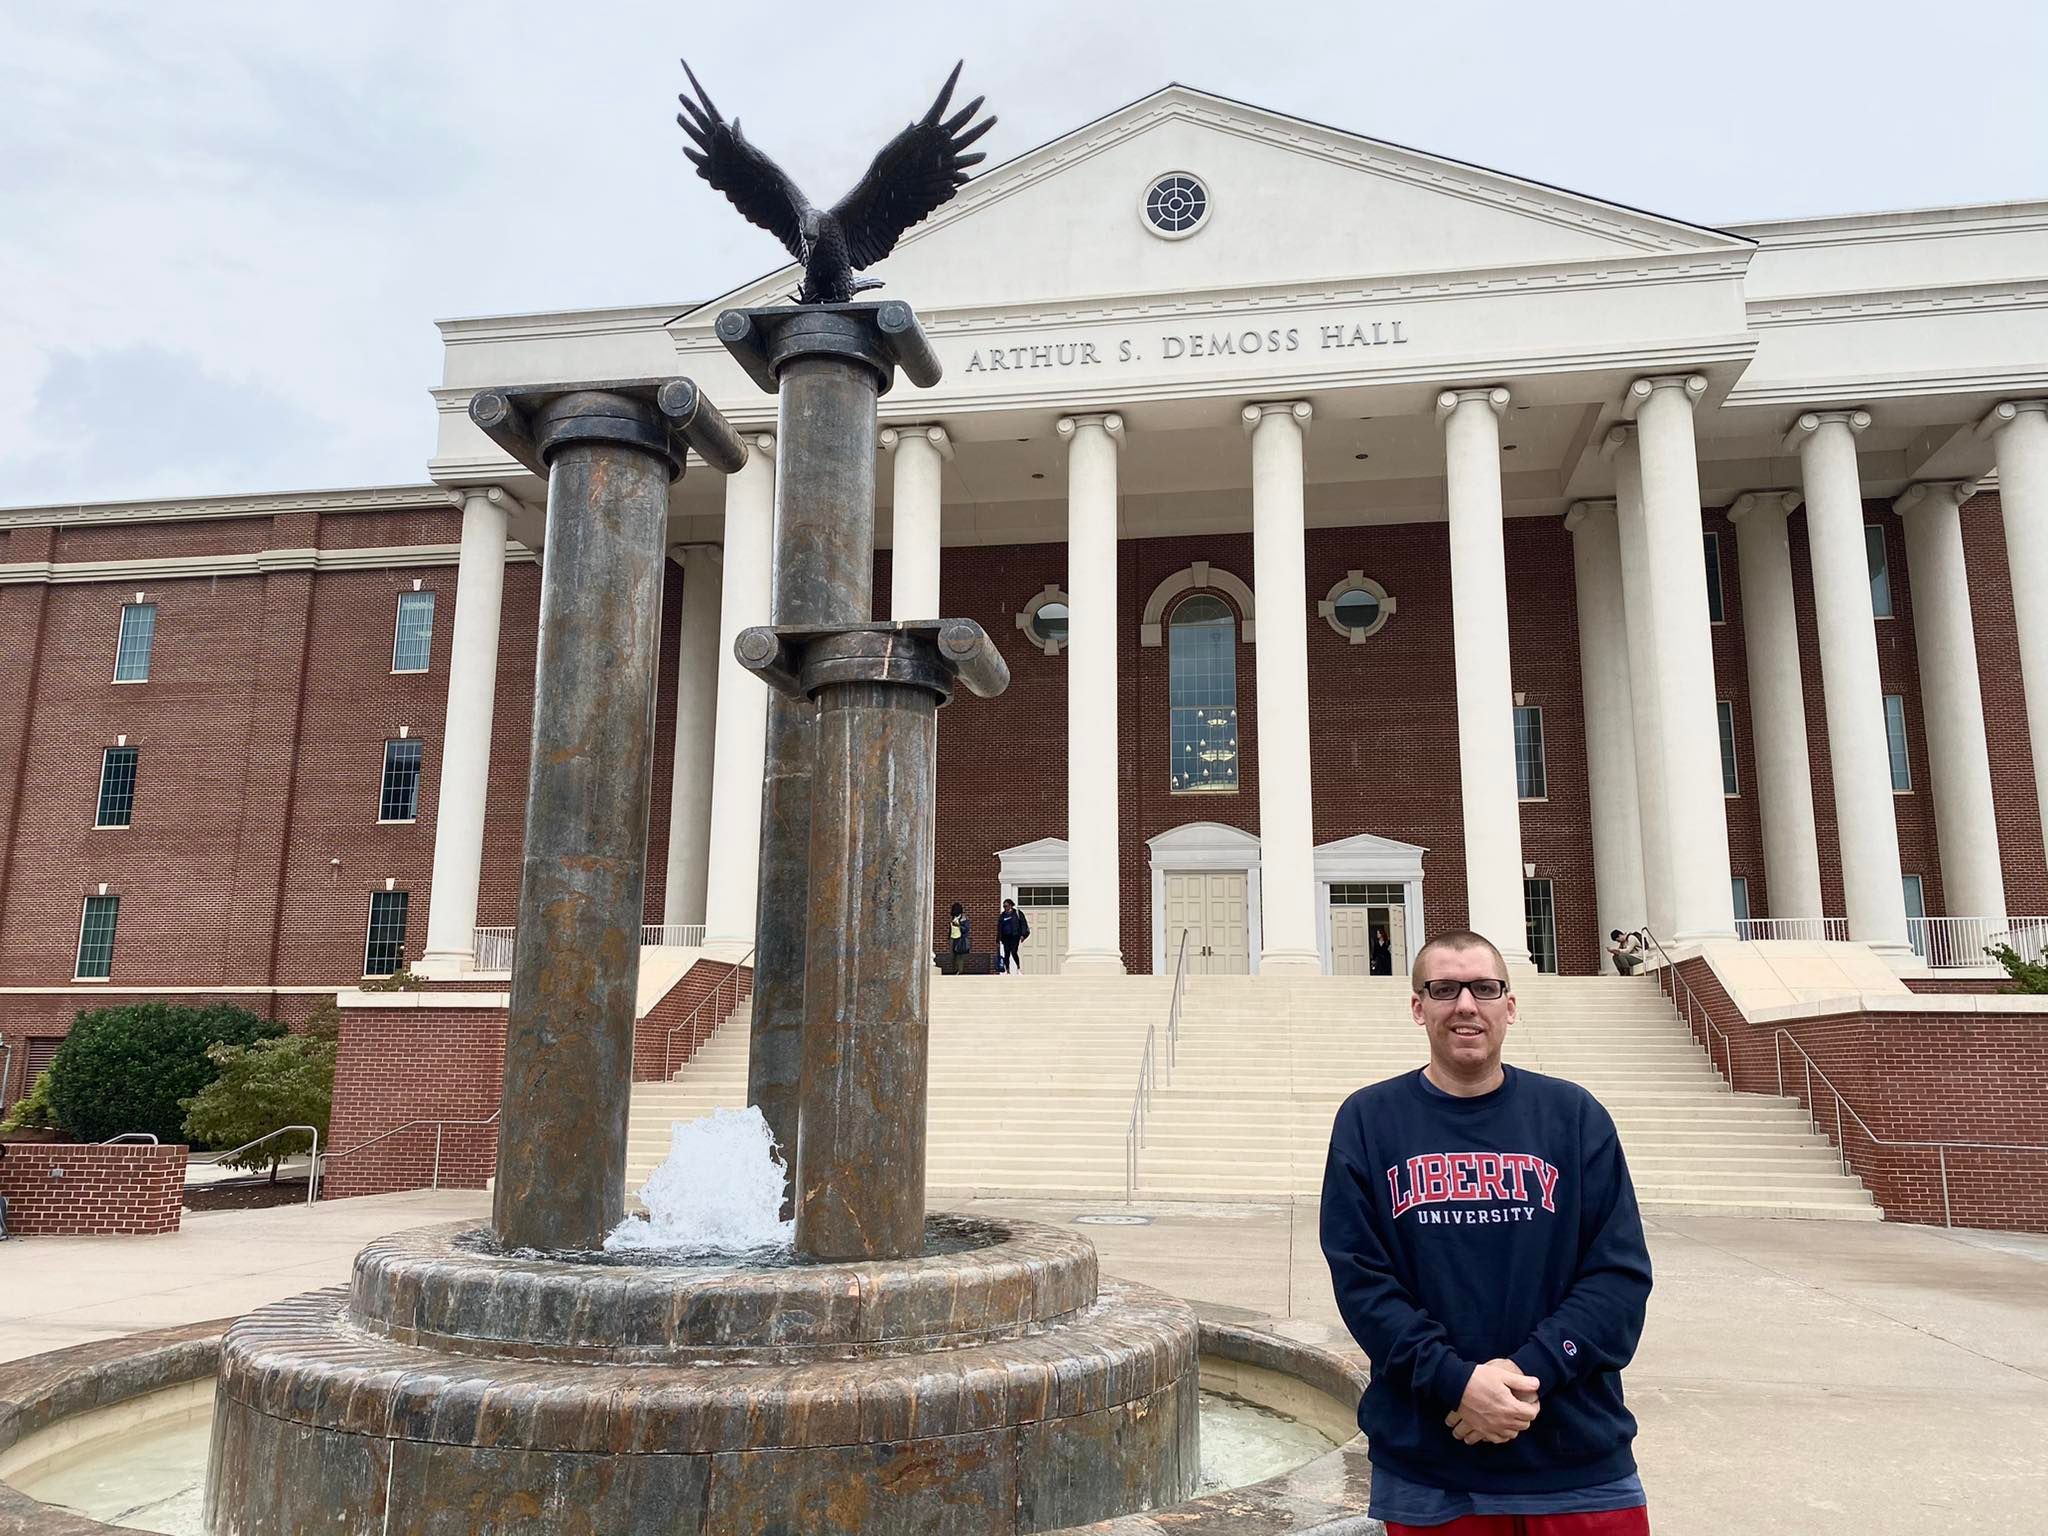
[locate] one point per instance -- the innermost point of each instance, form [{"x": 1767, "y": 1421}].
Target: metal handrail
[
  {"x": 312, "y": 1173},
  {"x": 1691, "y": 1002},
  {"x": 1781, "y": 1038},
  {"x": 1148, "y": 1069},
  {"x": 143, "y": 1136},
  {"x": 668, "y": 1045},
  {"x": 440, "y": 1126}
]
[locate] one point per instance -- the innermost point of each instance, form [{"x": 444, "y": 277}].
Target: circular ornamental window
[
  {"x": 1357, "y": 606},
  {"x": 1050, "y": 624},
  {"x": 1175, "y": 206}
]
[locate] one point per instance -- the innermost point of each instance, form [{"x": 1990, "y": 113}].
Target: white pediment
[
  {"x": 1043, "y": 862},
  {"x": 1292, "y": 202},
  {"x": 1369, "y": 858}
]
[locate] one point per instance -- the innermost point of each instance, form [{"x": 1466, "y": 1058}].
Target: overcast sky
[{"x": 226, "y": 230}]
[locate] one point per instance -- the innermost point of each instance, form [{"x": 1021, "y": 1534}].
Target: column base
[
  {"x": 731, "y": 948},
  {"x": 445, "y": 964},
  {"x": 1092, "y": 962},
  {"x": 1290, "y": 962},
  {"x": 1900, "y": 957}
]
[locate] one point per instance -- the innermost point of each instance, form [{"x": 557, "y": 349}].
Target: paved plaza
[{"x": 1811, "y": 1377}]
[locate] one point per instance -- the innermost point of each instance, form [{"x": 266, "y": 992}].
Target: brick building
[{"x": 1379, "y": 543}]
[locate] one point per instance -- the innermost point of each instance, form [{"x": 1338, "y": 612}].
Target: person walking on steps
[
  {"x": 1012, "y": 929},
  {"x": 957, "y": 943},
  {"x": 1486, "y": 1252}
]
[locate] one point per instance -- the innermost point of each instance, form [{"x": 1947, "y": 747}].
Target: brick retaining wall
[{"x": 67, "y": 1189}]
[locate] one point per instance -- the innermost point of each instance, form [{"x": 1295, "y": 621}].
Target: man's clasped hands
[{"x": 1499, "y": 1403}]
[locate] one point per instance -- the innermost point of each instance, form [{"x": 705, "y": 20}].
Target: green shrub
[
  {"x": 263, "y": 1088},
  {"x": 2028, "y": 975},
  {"x": 128, "y": 1069},
  {"x": 33, "y": 1113}
]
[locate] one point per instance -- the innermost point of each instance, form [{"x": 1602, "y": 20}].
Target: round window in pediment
[{"x": 1175, "y": 205}]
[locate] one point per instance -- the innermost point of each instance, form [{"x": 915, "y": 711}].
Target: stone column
[
  {"x": 1696, "y": 818},
  {"x": 1645, "y": 700},
  {"x": 1479, "y": 637},
  {"x": 1857, "y": 746},
  {"x": 1610, "y": 722},
  {"x": 738, "y": 757},
  {"x": 1094, "y": 905},
  {"x": 914, "y": 513},
  {"x": 1959, "y": 761},
  {"x": 1777, "y": 703},
  {"x": 2019, "y": 432},
  {"x": 689, "y": 804},
  {"x": 466, "y": 735},
  {"x": 1287, "y": 877}
]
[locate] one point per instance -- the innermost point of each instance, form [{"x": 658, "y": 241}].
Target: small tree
[
  {"x": 130, "y": 1069},
  {"x": 263, "y": 1088},
  {"x": 2028, "y": 975},
  {"x": 33, "y": 1113}
]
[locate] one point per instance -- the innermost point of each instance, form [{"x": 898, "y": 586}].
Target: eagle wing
[
  {"x": 916, "y": 172},
  {"x": 751, "y": 182}
]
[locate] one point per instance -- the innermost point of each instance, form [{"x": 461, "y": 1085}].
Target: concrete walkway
[{"x": 1810, "y": 1377}]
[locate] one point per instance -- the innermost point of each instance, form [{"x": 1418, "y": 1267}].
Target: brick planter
[{"x": 57, "y": 1189}]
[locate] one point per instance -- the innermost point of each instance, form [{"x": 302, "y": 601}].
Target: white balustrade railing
[
  {"x": 493, "y": 946},
  {"x": 684, "y": 935},
  {"x": 1959, "y": 943},
  {"x": 1834, "y": 930}
]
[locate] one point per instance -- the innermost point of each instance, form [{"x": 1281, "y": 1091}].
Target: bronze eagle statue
[{"x": 916, "y": 172}]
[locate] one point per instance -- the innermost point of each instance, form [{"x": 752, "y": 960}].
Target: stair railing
[
  {"x": 215, "y": 1159},
  {"x": 1941, "y": 1149},
  {"x": 1148, "y": 1069},
  {"x": 320, "y": 1161},
  {"x": 1692, "y": 1008},
  {"x": 668, "y": 1045}
]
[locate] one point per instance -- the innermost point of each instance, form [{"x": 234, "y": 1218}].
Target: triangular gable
[
  {"x": 1369, "y": 858},
  {"x": 1292, "y": 202}
]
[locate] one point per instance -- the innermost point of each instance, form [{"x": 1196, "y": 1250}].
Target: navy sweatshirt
[{"x": 1465, "y": 1230}]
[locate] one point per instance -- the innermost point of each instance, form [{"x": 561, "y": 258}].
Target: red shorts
[{"x": 1609, "y": 1522}]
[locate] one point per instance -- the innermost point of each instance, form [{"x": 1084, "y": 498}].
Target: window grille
[
  {"x": 1041, "y": 895},
  {"x": 1531, "y": 781},
  {"x": 401, "y": 797},
  {"x": 1353, "y": 893},
  {"x": 96, "y": 937},
  {"x": 1202, "y": 689},
  {"x": 1895, "y": 739},
  {"x": 117, "y": 788},
  {"x": 412, "y": 644},
  {"x": 384, "y": 952},
  {"x": 138, "y": 639},
  {"x": 1730, "y": 783}
]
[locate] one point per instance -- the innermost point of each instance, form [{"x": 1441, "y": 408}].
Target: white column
[
  {"x": 914, "y": 519},
  {"x": 1610, "y": 721},
  {"x": 1958, "y": 759},
  {"x": 740, "y": 749},
  {"x": 1777, "y": 703},
  {"x": 466, "y": 732},
  {"x": 1479, "y": 638},
  {"x": 689, "y": 805},
  {"x": 1857, "y": 746},
  {"x": 1094, "y": 907},
  {"x": 1288, "y": 937},
  {"x": 2019, "y": 433},
  {"x": 1645, "y": 700},
  {"x": 1696, "y": 817}
]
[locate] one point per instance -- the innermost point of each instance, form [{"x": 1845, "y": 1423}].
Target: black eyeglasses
[{"x": 1485, "y": 989}]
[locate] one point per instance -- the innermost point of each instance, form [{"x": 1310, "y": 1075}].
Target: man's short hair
[{"x": 1464, "y": 938}]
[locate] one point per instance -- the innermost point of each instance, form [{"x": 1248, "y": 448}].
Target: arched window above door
[{"x": 1201, "y": 651}]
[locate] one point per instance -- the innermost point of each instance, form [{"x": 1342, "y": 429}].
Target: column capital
[
  {"x": 1581, "y": 513},
  {"x": 1109, "y": 421},
  {"x": 1934, "y": 493},
  {"x": 2006, "y": 412},
  {"x": 1449, "y": 400},
  {"x": 1784, "y": 503},
  {"x": 1300, "y": 412},
  {"x": 1618, "y": 437},
  {"x": 931, "y": 432},
  {"x": 1694, "y": 386},
  {"x": 1807, "y": 427},
  {"x": 498, "y": 496}
]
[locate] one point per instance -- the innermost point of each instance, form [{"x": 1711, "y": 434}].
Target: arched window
[{"x": 1201, "y": 650}]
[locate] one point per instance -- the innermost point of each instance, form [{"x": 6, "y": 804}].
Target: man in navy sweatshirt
[{"x": 1487, "y": 1254}]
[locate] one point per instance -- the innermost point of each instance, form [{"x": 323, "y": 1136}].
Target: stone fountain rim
[{"x": 1327, "y": 1495}]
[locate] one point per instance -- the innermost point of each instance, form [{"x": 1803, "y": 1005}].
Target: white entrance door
[
  {"x": 1045, "y": 908},
  {"x": 1209, "y": 907},
  {"x": 1351, "y": 941}
]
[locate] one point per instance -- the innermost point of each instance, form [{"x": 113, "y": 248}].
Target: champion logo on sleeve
[
  {"x": 1515, "y": 1181},
  {"x": 1571, "y": 1350}
]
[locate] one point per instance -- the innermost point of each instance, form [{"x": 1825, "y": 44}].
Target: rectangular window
[
  {"x": 138, "y": 638},
  {"x": 1540, "y": 906},
  {"x": 1880, "y": 570},
  {"x": 1041, "y": 895},
  {"x": 384, "y": 952},
  {"x": 117, "y": 787},
  {"x": 1730, "y": 784},
  {"x": 96, "y": 937},
  {"x": 1916, "y": 914},
  {"x": 1717, "y": 612},
  {"x": 412, "y": 645},
  {"x": 401, "y": 797},
  {"x": 1738, "y": 887},
  {"x": 1344, "y": 893},
  {"x": 1530, "y": 783},
  {"x": 1895, "y": 737}
]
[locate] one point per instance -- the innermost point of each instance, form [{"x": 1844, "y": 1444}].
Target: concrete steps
[{"x": 1032, "y": 1081}]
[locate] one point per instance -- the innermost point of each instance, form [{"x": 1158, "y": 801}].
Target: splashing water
[{"x": 719, "y": 1191}]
